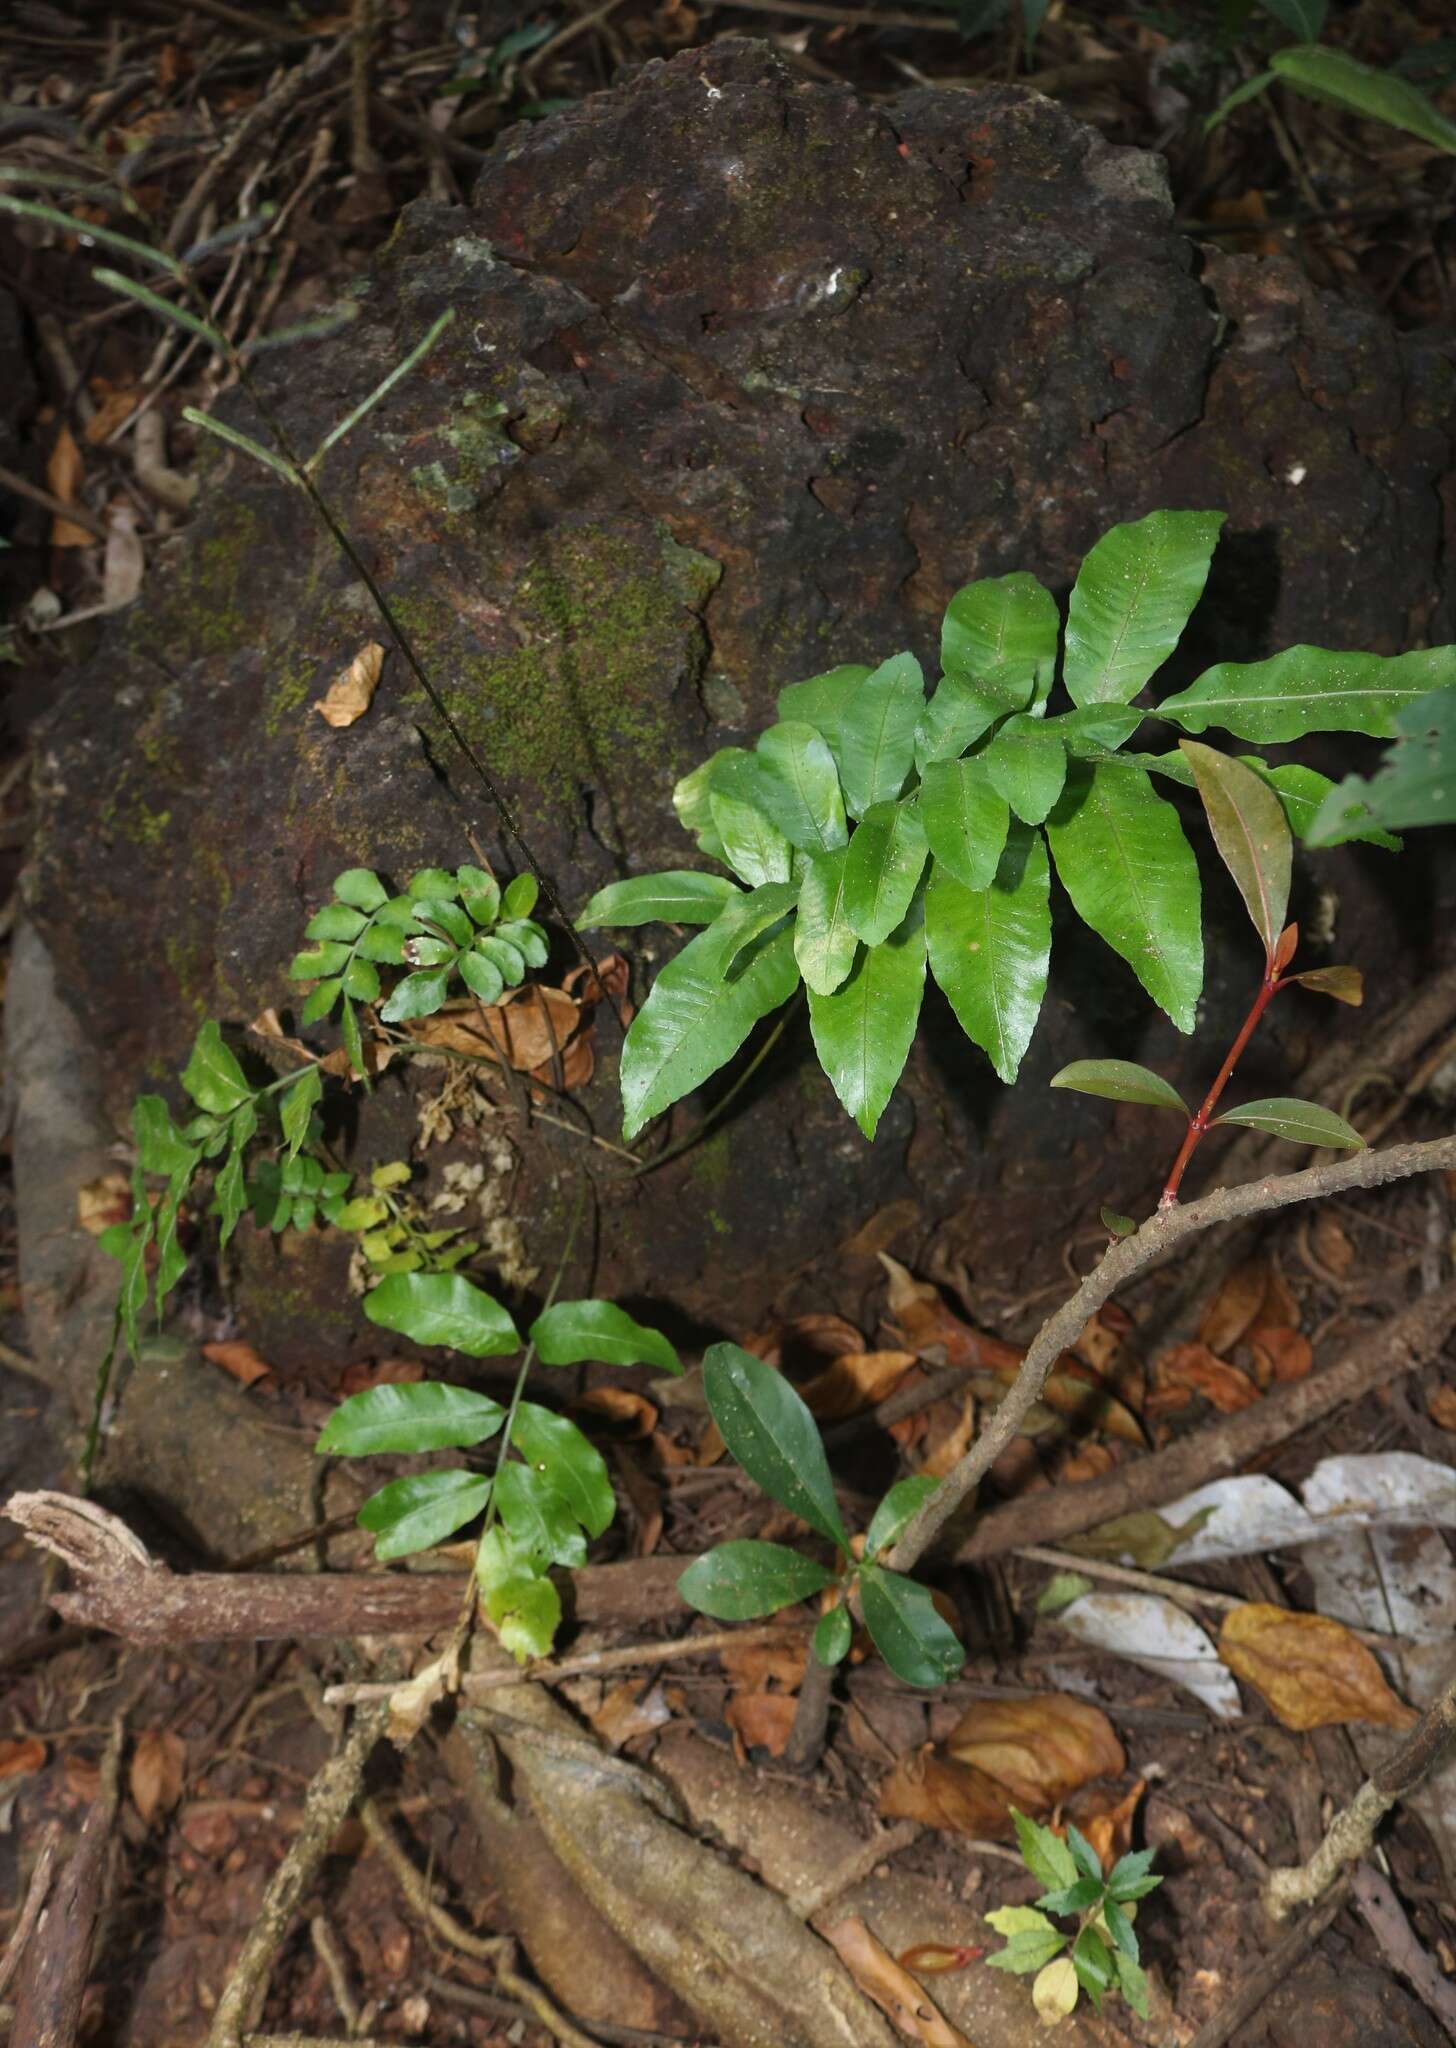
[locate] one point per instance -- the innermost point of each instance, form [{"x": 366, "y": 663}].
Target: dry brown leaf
[
  {"x": 627, "y": 1711},
  {"x": 882, "y": 1229},
  {"x": 65, "y": 474},
  {"x": 1441, "y": 1403},
  {"x": 933, "y": 1331},
  {"x": 1310, "y": 1669},
  {"x": 754, "y": 1666},
  {"x": 905, "y": 2003},
  {"x": 924, "y": 1786},
  {"x": 1280, "y": 1307},
  {"x": 1194, "y": 1368},
  {"x": 208, "y": 1830},
  {"x": 1105, "y": 1816},
  {"x": 527, "y": 1025},
  {"x": 388, "y": 1372},
  {"x": 101, "y": 1203},
  {"x": 854, "y": 1382},
  {"x": 631, "y": 1415},
  {"x": 113, "y": 406},
  {"x": 239, "y": 1359},
  {"x": 158, "y": 1766},
  {"x": 609, "y": 981},
  {"x": 950, "y": 1437},
  {"x": 1041, "y": 1750},
  {"x": 803, "y": 1344},
  {"x": 1280, "y": 1354},
  {"x": 760, "y": 1720},
  {"x": 1236, "y": 1306},
  {"x": 351, "y": 692},
  {"x": 1332, "y": 1247},
  {"x": 1091, "y": 1461},
  {"x": 1104, "y": 1338},
  {"x": 20, "y": 1755}
]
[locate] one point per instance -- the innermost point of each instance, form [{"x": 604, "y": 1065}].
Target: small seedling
[
  {"x": 770, "y": 1431},
  {"x": 549, "y": 1492},
  {"x": 444, "y": 926},
  {"x": 1102, "y": 1954}
]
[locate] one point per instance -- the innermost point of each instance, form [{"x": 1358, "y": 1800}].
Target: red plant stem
[{"x": 1199, "y": 1123}]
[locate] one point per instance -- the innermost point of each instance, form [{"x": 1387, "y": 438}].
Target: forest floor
[{"x": 220, "y": 1742}]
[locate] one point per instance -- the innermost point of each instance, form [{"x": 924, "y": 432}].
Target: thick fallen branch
[
  {"x": 1119, "y": 1264},
  {"x": 55, "y": 1966},
  {"x": 120, "y": 1587},
  {"x": 1352, "y": 1831}
]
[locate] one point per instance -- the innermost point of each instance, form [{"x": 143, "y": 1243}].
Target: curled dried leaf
[
  {"x": 351, "y": 692},
  {"x": 239, "y": 1360}
]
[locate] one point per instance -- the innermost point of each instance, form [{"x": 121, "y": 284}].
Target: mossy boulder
[{"x": 745, "y": 379}]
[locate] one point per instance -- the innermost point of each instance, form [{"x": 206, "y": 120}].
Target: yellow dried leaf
[
  {"x": 1310, "y": 1669},
  {"x": 1040, "y": 1749},
  {"x": 351, "y": 692},
  {"x": 65, "y": 473}
]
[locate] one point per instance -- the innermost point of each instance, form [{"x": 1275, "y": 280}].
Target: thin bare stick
[
  {"x": 49, "y": 502},
  {"x": 1177, "y": 1590},
  {"x": 35, "y": 1898},
  {"x": 330, "y": 1796},
  {"x": 589, "y": 1664},
  {"x": 1119, "y": 1264},
  {"x": 1352, "y": 1831}
]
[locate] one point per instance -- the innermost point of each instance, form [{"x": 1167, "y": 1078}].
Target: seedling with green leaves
[
  {"x": 549, "y": 1493},
  {"x": 1102, "y": 1954},
  {"x": 445, "y": 926},
  {"x": 770, "y": 1431},
  {"x": 231, "y": 1113},
  {"x": 394, "y": 1236},
  {"x": 877, "y": 833}
]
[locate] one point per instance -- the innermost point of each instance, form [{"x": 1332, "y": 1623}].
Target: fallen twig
[
  {"x": 330, "y": 1796},
  {"x": 1119, "y": 1264},
  {"x": 588, "y": 1664},
  {"x": 55, "y": 1965},
  {"x": 1352, "y": 1831},
  {"x": 35, "y": 1898}
]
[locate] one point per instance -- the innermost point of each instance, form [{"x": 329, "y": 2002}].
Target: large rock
[{"x": 745, "y": 379}]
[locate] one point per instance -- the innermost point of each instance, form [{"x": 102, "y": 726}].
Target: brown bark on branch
[
  {"x": 1119, "y": 1264},
  {"x": 121, "y": 1588}
]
